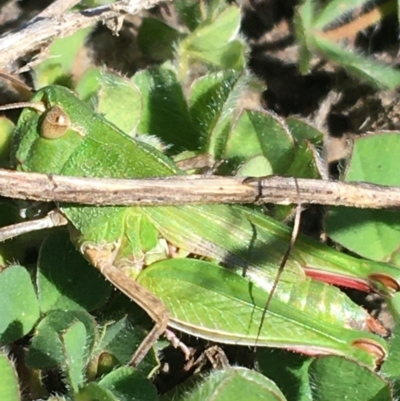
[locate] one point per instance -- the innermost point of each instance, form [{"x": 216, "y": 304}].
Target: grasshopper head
[{"x": 52, "y": 125}]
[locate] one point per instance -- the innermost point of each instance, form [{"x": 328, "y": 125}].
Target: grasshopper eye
[{"x": 55, "y": 123}]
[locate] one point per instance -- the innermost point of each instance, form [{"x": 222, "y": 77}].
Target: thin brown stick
[
  {"x": 40, "y": 31},
  {"x": 192, "y": 189},
  {"x": 352, "y": 28},
  {"x": 295, "y": 233},
  {"x": 53, "y": 219},
  {"x": 57, "y": 8}
]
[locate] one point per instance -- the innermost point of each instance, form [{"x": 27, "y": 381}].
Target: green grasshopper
[{"x": 59, "y": 134}]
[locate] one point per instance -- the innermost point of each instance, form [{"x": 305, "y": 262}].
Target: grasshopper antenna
[
  {"x": 23, "y": 90},
  {"x": 293, "y": 238},
  {"x": 17, "y": 86},
  {"x": 20, "y": 105}
]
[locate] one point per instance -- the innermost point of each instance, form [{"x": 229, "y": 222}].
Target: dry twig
[
  {"x": 193, "y": 189},
  {"x": 57, "y": 8},
  {"x": 52, "y": 23}
]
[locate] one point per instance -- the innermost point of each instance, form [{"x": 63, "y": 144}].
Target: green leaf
[
  {"x": 398, "y": 10},
  {"x": 156, "y": 40},
  {"x": 9, "y": 386},
  {"x": 358, "y": 383},
  {"x": 309, "y": 29},
  {"x": 74, "y": 341},
  {"x": 303, "y": 164},
  {"x": 215, "y": 42},
  {"x": 390, "y": 369},
  {"x": 6, "y": 130},
  {"x": 19, "y": 305},
  {"x": 306, "y": 11},
  {"x": 235, "y": 383},
  {"x": 93, "y": 391},
  {"x": 289, "y": 372},
  {"x": 189, "y": 12},
  {"x": 302, "y": 131},
  {"x": 257, "y": 133},
  {"x": 374, "y": 234},
  {"x": 213, "y": 9},
  {"x": 89, "y": 84},
  {"x": 336, "y": 11},
  {"x": 117, "y": 91},
  {"x": 214, "y": 105},
  {"x": 122, "y": 384},
  {"x": 65, "y": 280},
  {"x": 255, "y": 166},
  {"x": 122, "y": 338},
  {"x": 57, "y": 69},
  {"x": 47, "y": 349},
  {"x": 316, "y": 379},
  {"x": 361, "y": 67},
  {"x": 302, "y": 25},
  {"x": 128, "y": 384},
  {"x": 165, "y": 112},
  {"x": 367, "y": 163}
]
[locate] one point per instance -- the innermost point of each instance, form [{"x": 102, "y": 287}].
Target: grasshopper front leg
[{"x": 102, "y": 259}]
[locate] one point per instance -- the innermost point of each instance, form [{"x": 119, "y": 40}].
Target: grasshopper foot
[{"x": 176, "y": 343}]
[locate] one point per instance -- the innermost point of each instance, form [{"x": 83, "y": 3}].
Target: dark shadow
[
  {"x": 284, "y": 370},
  {"x": 13, "y": 332}
]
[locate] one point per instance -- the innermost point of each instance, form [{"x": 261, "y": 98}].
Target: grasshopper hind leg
[{"x": 102, "y": 259}]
